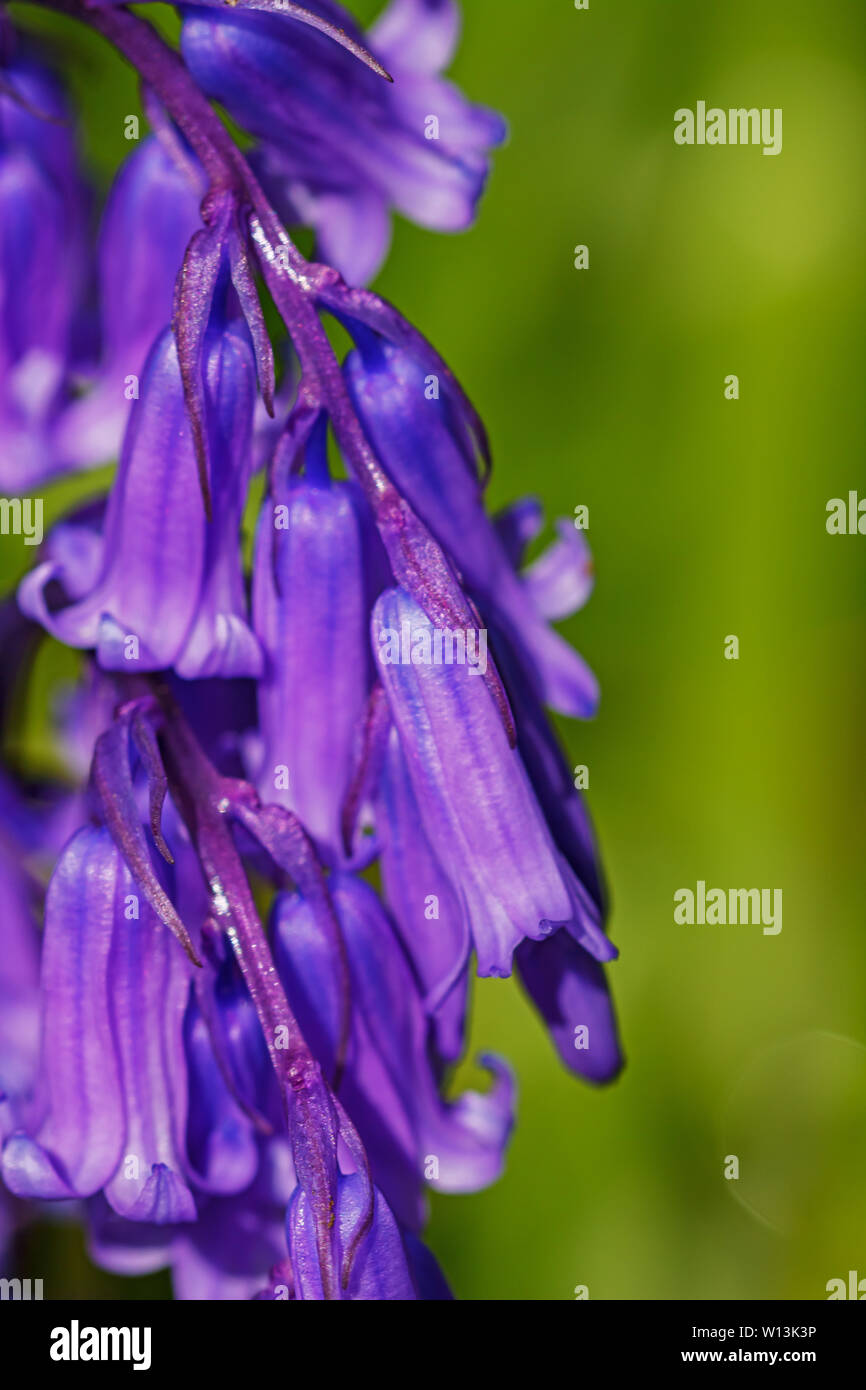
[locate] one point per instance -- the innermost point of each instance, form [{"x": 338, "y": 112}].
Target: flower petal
[
  {"x": 478, "y": 809},
  {"x": 570, "y": 991},
  {"x": 80, "y": 1143},
  {"x": 310, "y": 613}
]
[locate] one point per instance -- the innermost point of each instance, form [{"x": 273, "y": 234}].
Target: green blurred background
[{"x": 707, "y": 518}]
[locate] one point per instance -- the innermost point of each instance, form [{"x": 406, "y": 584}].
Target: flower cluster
[{"x": 323, "y": 788}]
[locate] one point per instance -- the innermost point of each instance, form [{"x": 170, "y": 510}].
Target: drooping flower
[
  {"x": 151, "y": 213},
  {"x": 478, "y": 809},
  {"x": 424, "y": 442},
  {"x": 19, "y": 979},
  {"x": 565, "y": 982},
  {"x": 413, "y": 1137},
  {"x": 311, "y": 601},
  {"x": 43, "y": 205},
  {"x": 264, "y": 1111},
  {"x": 162, "y": 586},
  {"x": 112, "y": 1086},
  {"x": 426, "y": 910},
  {"x": 113, "y": 1110},
  {"x": 340, "y": 147}
]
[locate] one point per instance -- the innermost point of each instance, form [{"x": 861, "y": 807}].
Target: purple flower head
[
  {"x": 311, "y": 606},
  {"x": 569, "y": 989},
  {"x": 424, "y": 441},
  {"x": 340, "y": 147},
  {"x": 264, "y": 1108},
  {"x": 110, "y": 1101},
  {"x": 110, "y": 1110},
  {"x": 414, "y": 1138},
  {"x": 564, "y": 980},
  {"x": 150, "y": 216},
  {"x": 478, "y": 808},
  {"x": 426, "y": 910},
  {"x": 380, "y": 1270},
  {"x": 163, "y": 586},
  {"x": 19, "y": 981},
  {"x": 42, "y": 267}
]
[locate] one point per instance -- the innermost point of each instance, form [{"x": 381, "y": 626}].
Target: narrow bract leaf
[
  {"x": 145, "y": 741},
  {"x": 112, "y": 779},
  {"x": 192, "y": 305},
  {"x": 245, "y": 288}
]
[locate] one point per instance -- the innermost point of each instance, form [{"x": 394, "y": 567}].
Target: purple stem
[
  {"x": 201, "y": 796},
  {"x": 292, "y": 281},
  {"x": 203, "y": 799},
  {"x": 416, "y": 559}
]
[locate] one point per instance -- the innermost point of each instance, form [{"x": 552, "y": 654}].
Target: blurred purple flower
[
  {"x": 341, "y": 148},
  {"x": 43, "y": 207},
  {"x": 19, "y": 980},
  {"x": 149, "y": 218}
]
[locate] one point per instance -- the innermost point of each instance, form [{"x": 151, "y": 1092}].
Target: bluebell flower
[
  {"x": 43, "y": 209},
  {"x": 425, "y": 444},
  {"x": 415, "y": 1140},
  {"x": 311, "y": 578},
  {"x": 426, "y": 910},
  {"x": 111, "y": 1088},
  {"x": 264, "y": 1109},
  {"x": 340, "y": 147},
  {"x": 19, "y": 977},
  {"x": 163, "y": 586},
  {"x": 148, "y": 1122},
  {"x": 477, "y": 804},
  {"x": 240, "y": 1241},
  {"x": 150, "y": 216},
  {"x": 381, "y": 1269}
]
